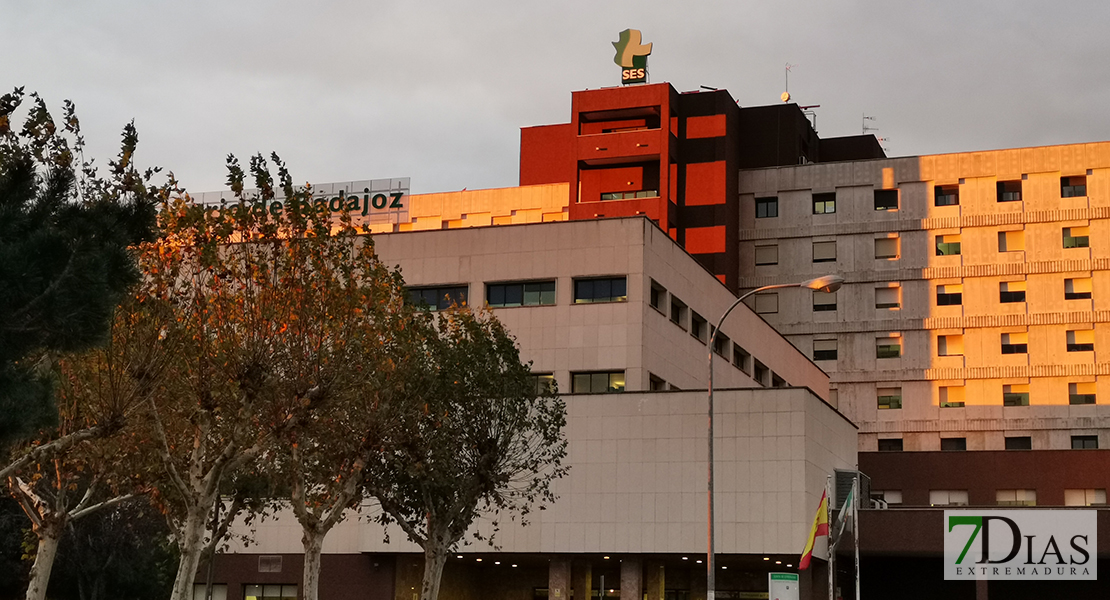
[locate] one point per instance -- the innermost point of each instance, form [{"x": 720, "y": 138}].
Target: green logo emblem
[{"x": 632, "y": 56}]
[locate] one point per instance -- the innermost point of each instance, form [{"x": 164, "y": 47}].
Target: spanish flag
[{"x": 820, "y": 527}]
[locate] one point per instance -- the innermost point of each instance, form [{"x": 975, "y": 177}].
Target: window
[
  {"x": 1084, "y": 442},
  {"x": 597, "y": 383},
  {"x": 697, "y": 326},
  {"x": 1011, "y": 291},
  {"x": 1081, "y": 393},
  {"x": 950, "y": 295},
  {"x": 824, "y": 252},
  {"x": 656, "y": 384},
  {"x": 761, "y": 373},
  {"x": 1077, "y": 237},
  {"x": 658, "y": 296},
  {"x": 269, "y": 563},
  {"x": 888, "y": 347},
  {"x": 1011, "y": 241},
  {"x": 948, "y": 245},
  {"x": 1016, "y": 497},
  {"x": 1015, "y": 343},
  {"x": 678, "y": 312},
  {"x": 950, "y": 345},
  {"x": 767, "y": 255},
  {"x": 439, "y": 298},
  {"x": 1009, "y": 191},
  {"x": 767, "y": 303},
  {"x": 1084, "y": 497},
  {"x": 824, "y": 349},
  {"x": 1073, "y": 187},
  {"x": 891, "y": 497},
  {"x": 952, "y": 396},
  {"x": 608, "y": 289},
  {"x": 777, "y": 381},
  {"x": 720, "y": 345},
  {"x": 766, "y": 207},
  {"x": 630, "y": 195},
  {"x": 886, "y": 247},
  {"x": 545, "y": 383},
  {"x": 1082, "y": 340},
  {"x": 888, "y": 297},
  {"x": 824, "y": 203},
  {"x": 1023, "y": 442},
  {"x": 824, "y": 301},
  {"x": 953, "y": 444},
  {"x": 1077, "y": 289},
  {"x": 947, "y": 497},
  {"x": 1015, "y": 395},
  {"x": 219, "y": 591},
  {"x": 270, "y": 592},
  {"x": 889, "y": 398},
  {"x": 524, "y": 293},
  {"x": 946, "y": 195},
  {"x": 886, "y": 199},
  {"x": 890, "y": 445},
  {"x": 741, "y": 359}
]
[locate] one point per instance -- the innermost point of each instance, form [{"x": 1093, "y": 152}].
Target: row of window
[
  {"x": 943, "y": 195},
  {"x": 888, "y": 247},
  {"x": 1019, "y": 442},
  {"x": 1077, "y": 340},
  {"x": 1073, "y": 497},
  {"x": 1012, "y": 395},
  {"x": 689, "y": 320},
  {"x": 522, "y": 293}
]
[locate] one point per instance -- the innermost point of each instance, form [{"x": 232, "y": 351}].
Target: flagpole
[
  {"x": 830, "y": 560},
  {"x": 855, "y": 531}
]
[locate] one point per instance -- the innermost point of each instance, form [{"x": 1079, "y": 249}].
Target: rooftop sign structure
[
  {"x": 378, "y": 200},
  {"x": 632, "y": 56}
]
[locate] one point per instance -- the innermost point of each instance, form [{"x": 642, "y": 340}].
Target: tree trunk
[
  {"x": 191, "y": 544},
  {"x": 313, "y": 542},
  {"x": 49, "y": 534},
  {"x": 435, "y": 556}
]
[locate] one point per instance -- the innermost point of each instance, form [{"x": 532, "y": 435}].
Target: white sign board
[
  {"x": 782, "y": 586},
  {"x": 1020, "y": 544}
]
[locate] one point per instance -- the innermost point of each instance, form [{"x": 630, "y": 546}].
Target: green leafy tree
[
  {"x": 64, "y": 260},
  {"x": 480, "y": 438}
]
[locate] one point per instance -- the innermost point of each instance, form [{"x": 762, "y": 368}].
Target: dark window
[
  {"x": 1009, "y": 191},
  {"x": 777, "y": 381},
  {"x": 888, "y": 348},
  {"x": 1073, "y": 187},
  {"x": 824, "y": 349},
  {"x": 889, "y": 398},
  {"x": 890, "y": 445},
  {"x": 1015, "y": 343},
  {"x": 950, "y": 295},
  {"x": 1011, "y": 291},
  {"x": 270, "y": 591},
  {"x": 656, "y": 384},
  {"x": 525, "y": 293},
  {"x": 1081, "y": 393},
  {"x": 1019, "y": 443},
  {"x": 678, "y": 312},
  {"x": 946, "y": 195},
  {"x": 1077, "y": 237},
  {"x": 597, "y": 383},
  {"x": 824, "y": 203},
  {"x": 1084, "y": 442},
  {"x": 609, "y": 289},
  {"x": 1081, "y": 340},
  {"x": 948, "y": 245},
  {"x": 697, "y": 326},
  {"x": 439, "y": 298},
  {"x": 1015, "y": 395},
  {"x": 545, "y": 383},
  {"x": 741, "y": 358},
  {"x": 761, "y": 372},
  {"x": 720, "y": 344},
  {"x": 1077, "y": 289},
  {"x": 953, "y": 444},
  {"x": 766, "y": 207},
  {"x": 630, "y": 195},
  {"x": 658, "y": 294},
  {"x": 886, "y": 199}
]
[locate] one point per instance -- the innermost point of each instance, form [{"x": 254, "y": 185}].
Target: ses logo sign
[
  {"x": 632, "y": 56},
  {"x": 1020, "y": 544}
]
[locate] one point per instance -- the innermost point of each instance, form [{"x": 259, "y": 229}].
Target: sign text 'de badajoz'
[{"x": 1020, "y": 544}]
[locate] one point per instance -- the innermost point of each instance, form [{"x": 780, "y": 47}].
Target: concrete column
[
  {"x": 632, "y": 573},
  {"x": 582, "y": 579},
  {"x": 558, "y": 579},
  {"x": 698, "y": 574},
  {"x": 655, "y": 580}
]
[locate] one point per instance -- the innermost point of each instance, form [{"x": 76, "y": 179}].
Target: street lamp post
[{"x": 828, "y": 284}]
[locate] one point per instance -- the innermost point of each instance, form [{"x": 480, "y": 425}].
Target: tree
[
  {"x": 64, "y": 259},
  {"x": 273, "y": 316},
  {"x": 482, "y": 437}
]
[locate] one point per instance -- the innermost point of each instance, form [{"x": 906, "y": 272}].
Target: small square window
[
  {"x": 766, "y": 208},
  {"x": 950, "y": 345},
  {"x": 952, "y": 396},
  {"x": 1015, "y": 395},
  {"x": 1081, "y": 393},
  {"x": 1077, "y": 237},
  {"x": 888, "y": 347},
  {"x": 1081, "y": 340},
  {"x": 1090, "y": 497},
  {"x": 1011, "y": 291},
  {"x": 890, "y": 445},
  {"x": 1073, "y": 187},
  {"x": 545, "y": 383},
  {"x": 889, "y": 398},
  {"x": 1015, "y": 343},
  {"x": 777, "y": 381},
  {"x": 1077, "y": 289},
  {"x": 947, "y": 497},
  {"x": 1009, "y": 191},
  {"x": 678, "y": 312},
  {"x": 655, "y": 383},
  {"x": 1022, "y": 442},
  {"x": 1084, "y": 442},
  {"x": 741, "y": 359},
  {"x": 824, "y": 301},
  {"x": 767, "y": 255},
  {"x": 946, "y": 195},
  {"x": 886, "y": 199},
  {"x": 886, "y": 248},
  {"x": 658, "y": 295},
  {"x": 698, "y": 326},
  {"x": 824, "y": 349},
  {"x": 953, "y": 444},
  {"x": 824, "y": 251},
  {"x": 766, "y": 304},
  {"x": 1016, "y": 497},
  {"x": 1011, "y": 241},
  {"x": 888, "y": 297},
  {"x": 950, "y": 295},
  {"x": 948, "y": 245},
  {"x": 721, "y": 344},
  {"x": 761, "y": 374},
  {"x": 824, "y": 203}
]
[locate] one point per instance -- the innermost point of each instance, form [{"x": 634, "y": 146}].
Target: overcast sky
[{"x": 438, "y": 91}]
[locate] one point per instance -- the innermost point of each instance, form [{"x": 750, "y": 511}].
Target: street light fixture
[{"x": 827, "y": 284}]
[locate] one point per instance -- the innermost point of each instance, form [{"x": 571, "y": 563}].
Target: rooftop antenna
[
  {"x": 864, "y": 127},
  {"x": 786, "y": 95}
]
